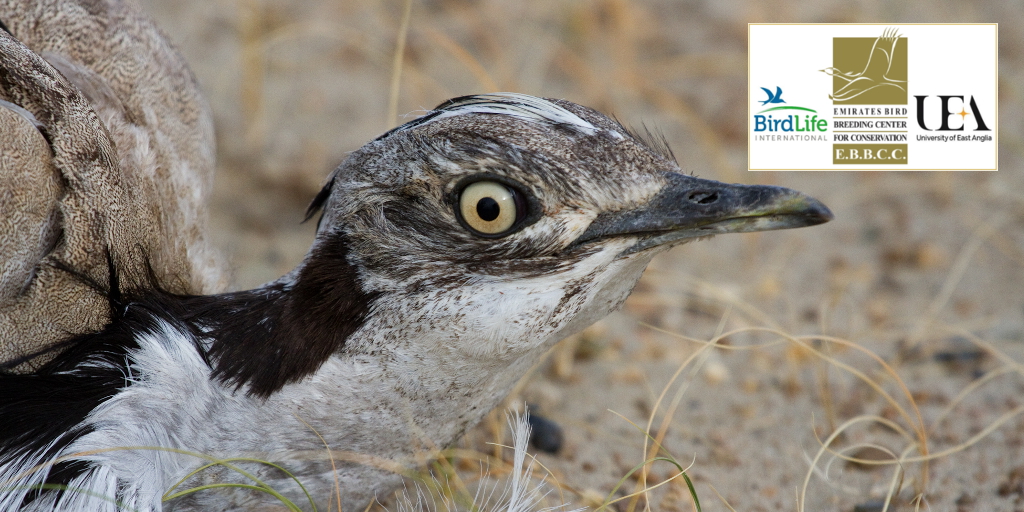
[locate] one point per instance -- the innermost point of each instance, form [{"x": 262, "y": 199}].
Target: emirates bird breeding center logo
[{"x": 908, "y": 97}]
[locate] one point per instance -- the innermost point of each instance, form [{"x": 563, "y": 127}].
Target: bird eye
[{"x": 490, "y": 208}]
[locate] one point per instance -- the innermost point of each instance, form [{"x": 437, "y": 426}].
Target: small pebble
[
  {"x": 545, "y": 435},
  {"x": 959, "y": 356},
  {"x": 870, "y": 506}
]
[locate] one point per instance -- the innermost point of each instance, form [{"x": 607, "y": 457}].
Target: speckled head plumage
[
  {"x": 393, "y": 231},
  {"x": 397, "y": 198},
  {"x": 566, "y": 162},
  {"x": 588, "y": 197},
  {"x": 593, "y": 203}
]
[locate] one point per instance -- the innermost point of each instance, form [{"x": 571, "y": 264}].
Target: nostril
[{"x": 703, "y": 197}]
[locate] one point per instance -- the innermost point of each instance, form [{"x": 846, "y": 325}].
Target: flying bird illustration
[
  {"x": 773, "y": 98},
  {"x": 875, "y": 73}
]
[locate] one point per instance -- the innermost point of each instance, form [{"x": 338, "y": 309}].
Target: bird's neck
[
  {"x": 420, "y": 368},
  {"x": 261, "y": 340}
]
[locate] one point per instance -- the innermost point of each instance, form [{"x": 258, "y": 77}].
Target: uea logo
[{"x": 946, "y": 114}]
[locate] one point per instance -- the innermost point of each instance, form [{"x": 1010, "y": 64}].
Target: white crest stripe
[{"x": 520, "y": 106}]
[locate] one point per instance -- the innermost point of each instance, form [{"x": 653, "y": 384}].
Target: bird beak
[{"x": 689, "y": 207}]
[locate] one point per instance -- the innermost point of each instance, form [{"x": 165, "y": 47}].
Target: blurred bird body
[
  {"x": 451, "y": 254},
  {"x": 67, "y": 205}
]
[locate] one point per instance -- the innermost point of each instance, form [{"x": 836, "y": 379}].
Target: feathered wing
[{"x": 106, "y": 161}]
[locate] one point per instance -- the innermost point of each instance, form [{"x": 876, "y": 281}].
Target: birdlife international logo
[
  {"x": 873, "y": 97},
  {"x": 788, "y": 121}
]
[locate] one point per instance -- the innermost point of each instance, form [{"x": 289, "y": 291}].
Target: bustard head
[
  {"x": 497, "y": 224},
  {"x": 451, "y": 253}
]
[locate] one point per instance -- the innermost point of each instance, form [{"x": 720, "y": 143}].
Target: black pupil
[{"x": 488, "y": 209}]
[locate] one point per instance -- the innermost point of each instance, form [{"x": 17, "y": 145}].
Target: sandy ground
[{"x": 913, "y": 295}]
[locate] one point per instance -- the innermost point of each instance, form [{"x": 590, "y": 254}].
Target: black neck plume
[{"x": 266, "y": 338}]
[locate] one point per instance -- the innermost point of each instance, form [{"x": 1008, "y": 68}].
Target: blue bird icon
[{"x": 773, "y": 98}]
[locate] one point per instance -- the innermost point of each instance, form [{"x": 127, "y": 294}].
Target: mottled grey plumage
[{"x": 106, "y": 148}]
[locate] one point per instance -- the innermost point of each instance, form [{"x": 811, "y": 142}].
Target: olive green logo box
[{"x": 869, "y": 70}]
